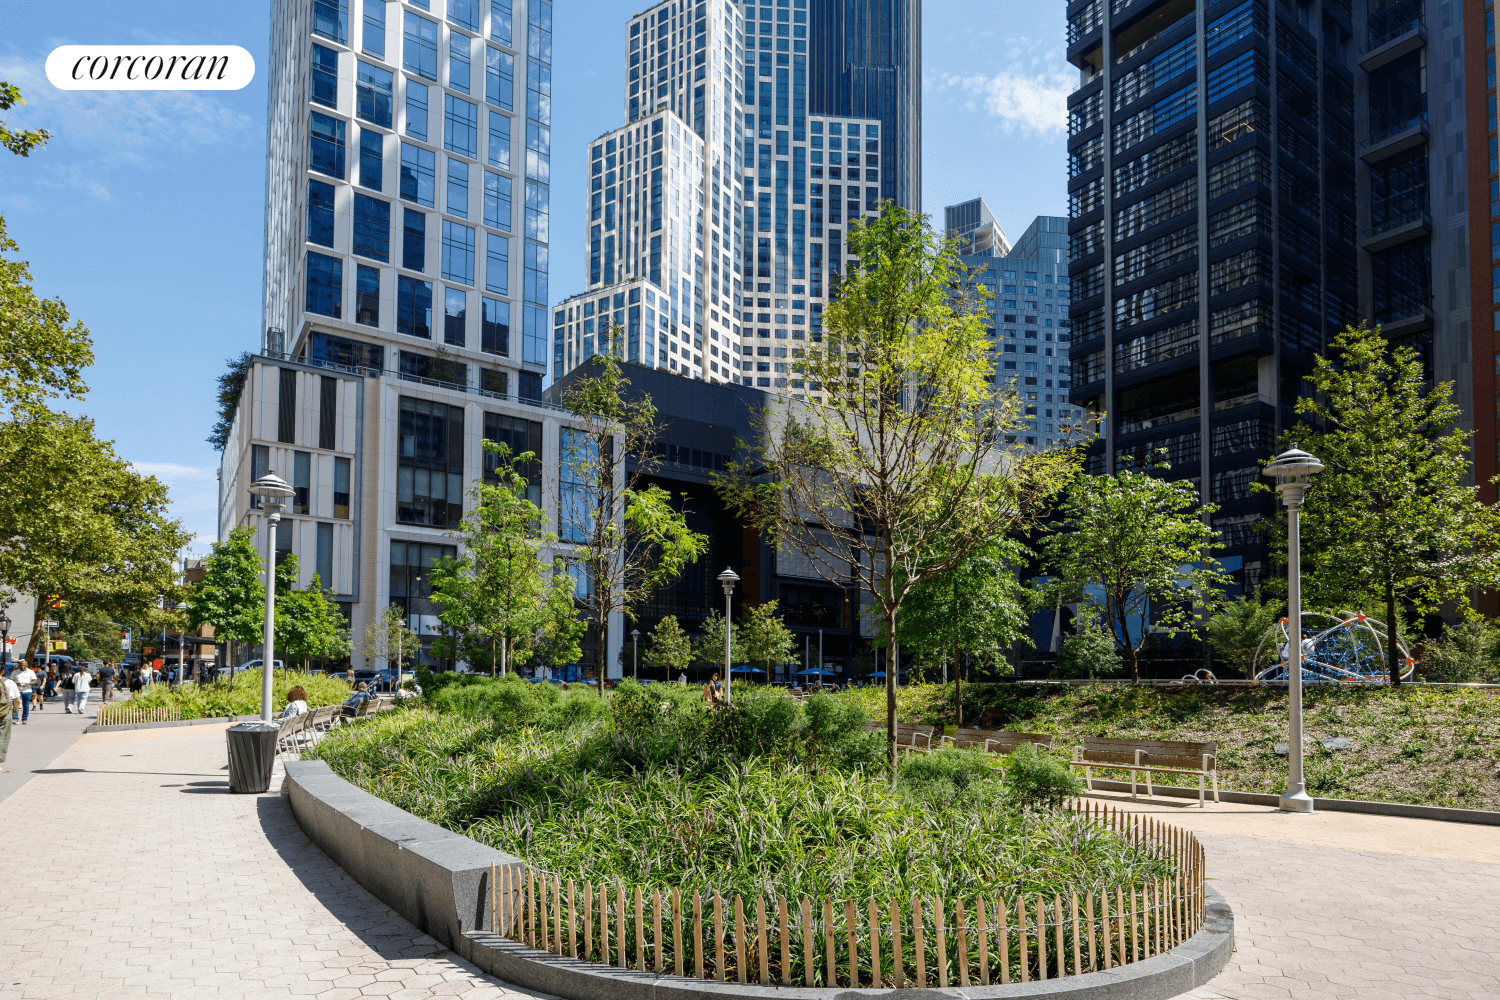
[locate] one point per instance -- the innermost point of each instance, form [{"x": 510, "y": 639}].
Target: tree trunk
[
  {"x": 892, "y": 661},
  {"x": 1392, "y": 634},
  {"x": 229, "y": 654},
  {"x": 494, "y": 658}
]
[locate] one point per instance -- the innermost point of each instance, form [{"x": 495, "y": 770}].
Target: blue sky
[{"x": 144, "y": 213}]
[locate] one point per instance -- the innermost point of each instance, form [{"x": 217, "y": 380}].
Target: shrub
[
  {"x": 947, "y": 776},
  {"x": 1035, "y": 779},
  {"x": 1468, "y": 653},
  {"x": 1090, "y": 652},
  {"x": 214, "y": 699}
]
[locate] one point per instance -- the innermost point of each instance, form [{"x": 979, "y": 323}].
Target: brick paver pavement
[{"x": 132, "y": 873}]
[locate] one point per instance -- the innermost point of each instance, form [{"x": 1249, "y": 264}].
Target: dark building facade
[
  {"x": 865, "y": 61},
  {"x": 1245, "y": 178}
]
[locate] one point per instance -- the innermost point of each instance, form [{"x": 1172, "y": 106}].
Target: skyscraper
[
  {"x": 714, "y": 234},
  {"x": 865, "y": 61},
  {"x": 1246, "y": 177},
  {"x": 405, "y": 299}
]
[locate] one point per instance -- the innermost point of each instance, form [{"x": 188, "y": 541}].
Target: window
[
  {"x": 458, "y": 188},
  {"x": 371, "y": 160},
  {"x": 341, "y": 487},
  {"x": 579, "y": 455},
  {"x": 494, "y": 380},
  {"x": 372, "y": 228},
  {"x": 499, "y": 78},
  {"x": 539, "y": 92},
  {"x": 429, "y": 472},
  {"x": 286, "y": 406},
  {"x": 328, "y": 396},
  {"x": 416, "y": 110},
  {"x": 301, "y": 479},
  {"x": 419, "y": 54},
  {"x": 497, "y": 201},
  {"x": 534, "y": 338},
  {"x": 539, "y": 33},
  {"x": 418, "y": 174},
  {"x": 464, "y": 13},
  {"x": 460, "y": 126},
  {"x": 260, "y": 464},
  {"x": 366, "y": 298},
  {"x": 536, "y": 273},
  {"x": 494, "y": 327},
  {"x": 330, "y": 18},
  {"x": 324, "y": 570},
  {"x": 414, "y": 307},
  {"x": 410, "y": 579},
  {"x": 374, "y": 37},
  {"x": 536, "y": 212},
  {"x": 414, "y": 241},
  {"x": 325, "y": 76},
  {"x": 458, "y": 252},
  {"x": 500, "y": 15},
  {"x": 538, "y": 152},
  {"x": 520, "y": 437},
  {"x": 283, "y": 541},
  {"x": 499, "y": 147},
  {"x": 497, "y": 264},
  {"x": 344, "y": 351},
  {"x": 325, "y": 285},
  {"x": 320, "y": 213},
  {"x": 326, "y": 140},
  {"x": 458, "y": 59},
  {"x": 375, "y": 95},
  {"x": 455, "y": 316}
]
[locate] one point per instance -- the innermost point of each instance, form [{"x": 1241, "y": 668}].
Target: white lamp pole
[
  {"x": 635, "y": 651},
  {"x": 728, "y": 579},
  {"x": 273, "y": 491},
  {"x": 1292, "y": 469},
  {"x": 181, "y": 643}
]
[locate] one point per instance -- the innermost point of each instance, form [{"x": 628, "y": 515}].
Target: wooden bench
[
  {"x": 908, "y": 737},
  {"x": 1149, "y": 757},
  {"x": 1001, "y": 741}
]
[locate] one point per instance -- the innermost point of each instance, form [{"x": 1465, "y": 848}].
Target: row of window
[{"x": 330, "y": 19}]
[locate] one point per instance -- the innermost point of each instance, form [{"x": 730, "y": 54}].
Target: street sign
[
  {"x": 49, "y": 624},
  {"x": 125, "y": 645}
]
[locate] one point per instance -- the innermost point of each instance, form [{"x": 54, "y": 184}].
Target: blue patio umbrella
[
  {"x": 744, "y": 669},
  {"x": 816, "y": 672}
]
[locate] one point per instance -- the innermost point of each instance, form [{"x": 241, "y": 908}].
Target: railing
[
  {"x": 1233, "y": 401},
  {"x": 1395, "y": 222},
  {"x": 1378, "y": 137},
  {"x": 890, "y": 944},
  {"x": 127, "y": 714},
  {"x": 1131, "y": 426},
  {"x": 1392, "y": 33}
]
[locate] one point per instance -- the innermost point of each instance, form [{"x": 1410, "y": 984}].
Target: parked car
[{"x": 248, "y": 665}]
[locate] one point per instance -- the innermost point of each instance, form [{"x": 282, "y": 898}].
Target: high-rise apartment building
[
  {"x": 1476, "y": 88},
  {"x": 406, "y": 292},
  {"x": 717, "y": 214},
  {"x": 1246, "y": 177},
  {"x": 972, "y": 223}
]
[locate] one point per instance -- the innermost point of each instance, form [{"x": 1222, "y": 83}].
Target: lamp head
[
  {"x": 635, "y": 633},
  {"x": 4, "y": 621},
  {"x": 728, "y": 579},
  {"x": 1293, "y": 470},
  {"x": 272, "y": 489}
]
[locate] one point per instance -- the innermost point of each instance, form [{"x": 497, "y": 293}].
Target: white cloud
[
  {"x": 1028, "y": 103},
  {"x": 193, "y": 493}
]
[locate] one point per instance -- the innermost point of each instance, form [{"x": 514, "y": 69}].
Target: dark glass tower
[
  {"x": 1214, "y": 239},
  {"x": 865, "y": 61}
]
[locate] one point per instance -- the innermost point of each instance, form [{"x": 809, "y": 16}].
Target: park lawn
[{"x": 1418, "y": 744}]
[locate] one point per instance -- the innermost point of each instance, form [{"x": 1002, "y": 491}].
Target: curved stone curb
[{"x": 439, "y": 881}]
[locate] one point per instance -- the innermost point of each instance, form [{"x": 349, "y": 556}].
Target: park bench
[
  {"x": 1149, "y": 757},
  {"x": 288, "y": 736},
  {"x": 908, "y": 736},
  {"x": 1000, "y": 741}
]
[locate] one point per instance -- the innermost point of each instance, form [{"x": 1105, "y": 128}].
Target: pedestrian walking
[
  {"x": 12, "y": 701},
  {"x": 106, "y": 681},
  {"x": 82, "y": 681},
  {"x": 25, "y": 679},
  {"x": 5, "y": 728}
]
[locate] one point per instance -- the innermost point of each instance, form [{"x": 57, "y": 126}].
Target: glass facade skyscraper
[{"x": 866, "y": 62}]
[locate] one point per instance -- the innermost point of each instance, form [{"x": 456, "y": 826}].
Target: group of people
[{"x": 28, "y": 687}]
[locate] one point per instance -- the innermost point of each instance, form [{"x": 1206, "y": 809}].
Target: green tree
[
  {"x": 498, "y": 586},
  {"x": 905, "y": 447},
  {"x": 764, "y": 636},
  {"x": 557, "y": 642},
  {"x": 1237, "y": 629},
  {"x": 231, "y": 385},
  {"x": 626, "y": 534},
  {"x": 389, "y": 637},
  {"x": 974, "y": 610},
  {"x": 309, "y": 626},
  {"x": 78, "y": 524},
  {"x": 1138, "y": 550},
  {"x": 42, "y": 353},
  {"x": 671, "y": 650},
  {"x": 231, "y": 596},
  {"x": 708, "y": 647},
  {"x": 1088, "y": 652},
  {"x": 20, "y": 143},
  {"x": 1390, "y": 521}
]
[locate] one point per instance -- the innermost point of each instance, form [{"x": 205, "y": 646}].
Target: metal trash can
[{"x": 252, "y": 754}]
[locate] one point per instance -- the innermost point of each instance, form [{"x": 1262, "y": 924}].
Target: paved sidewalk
[
  {"x": 158, "y": 884},
  {"x": 1343, "y": 905},
  {"x": 48, "y": 733}
]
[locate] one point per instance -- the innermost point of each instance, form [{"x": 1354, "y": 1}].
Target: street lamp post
[
  {"x": 728, "y": 579},
  {"x": 181, "y": 644},
  {"x": 1292, "y": 470},
  {"x": 274, "y": 492},
  {"x": 635, "y": 651},
  {"x": 4, "y": 638}
]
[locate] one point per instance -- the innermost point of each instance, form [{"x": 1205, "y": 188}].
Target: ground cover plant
[
  {"x": 204, "y": 701},
  {"x": 770, "y": 797},
  {"x": 1418, "y": 744}
]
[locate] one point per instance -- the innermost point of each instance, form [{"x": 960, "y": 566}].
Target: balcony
[
  {"x": 1392, "y": 43},
  {"x": 1396, "y": 139},
  {"x": 1403, "y": 320},
  {"x": 1154, "y": 423},
  {"x": 1398, "y": 229}
]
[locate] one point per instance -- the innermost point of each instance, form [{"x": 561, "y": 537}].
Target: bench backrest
[
  {"x": 1179, "y": 747},
  {"x": 999, "y": 740}
]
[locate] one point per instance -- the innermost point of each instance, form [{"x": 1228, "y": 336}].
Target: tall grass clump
[
  {"x": 203, "y": 701},
  {"x": 767, "y": 797}
]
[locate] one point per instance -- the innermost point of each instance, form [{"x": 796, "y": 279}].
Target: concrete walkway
[
  {"x": 1343, "y": 905},
  {"x": 151, "y": 881},
  {"x": 46, "y": 734}
]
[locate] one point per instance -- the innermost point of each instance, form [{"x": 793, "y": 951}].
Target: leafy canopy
[
  {"x": 42, "y": 352},
  {"x": 18, "y": 142},
  {"x": 230, "y": 596}
]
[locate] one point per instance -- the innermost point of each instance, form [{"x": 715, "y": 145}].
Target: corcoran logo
[{"x": 150, "y": 67}]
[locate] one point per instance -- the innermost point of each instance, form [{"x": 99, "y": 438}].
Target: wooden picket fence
[
  {"x": 126, "y": 713},
  {"x": 894, "y": 943}
]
